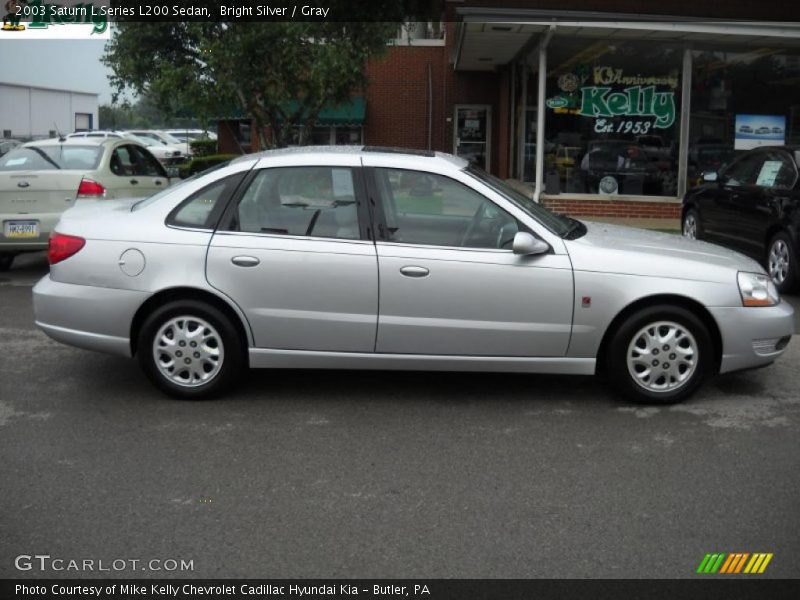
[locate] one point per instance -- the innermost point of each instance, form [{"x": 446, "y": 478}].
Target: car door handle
[
  {"x": 134, "y": 181},
  {"x": 157, "y": 182},
  {"x": 414, "y": 271},
  {"x": 245, "y": 261}
]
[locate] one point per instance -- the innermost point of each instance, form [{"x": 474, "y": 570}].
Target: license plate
[{"x": 22, "y": 229}]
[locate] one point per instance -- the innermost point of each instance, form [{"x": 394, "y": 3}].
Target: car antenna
[{"x": 61, "y": 137}]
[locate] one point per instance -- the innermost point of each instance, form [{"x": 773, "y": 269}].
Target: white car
[
  {"x": 167, "y": 155},
  {"x": 180, "y": 151},
  {"x": 40, "y": 180}
]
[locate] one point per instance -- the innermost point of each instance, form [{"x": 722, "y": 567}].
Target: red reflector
[
  {"x": 63, "y": 246},
  {"x": 90, "y": 189}
]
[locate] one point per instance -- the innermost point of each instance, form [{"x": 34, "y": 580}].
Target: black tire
[
  {"x": 616, "y": 358},
  {"x": 230, "y": 348},
  {"x": 6, "y": 260},
  {"x": 789, "y": 272},
  {"x": 692, "y": 214}
]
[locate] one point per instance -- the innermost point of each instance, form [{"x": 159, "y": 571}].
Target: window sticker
[
  {"x": 342, "y": 183},
  {"x": 769, "y": 173},
  {"x": 12, "y": 162}
]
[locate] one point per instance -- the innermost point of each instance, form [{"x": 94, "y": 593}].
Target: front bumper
[
  {"x": 753, "y": 336},
  {"x": 90, "y": 317}
]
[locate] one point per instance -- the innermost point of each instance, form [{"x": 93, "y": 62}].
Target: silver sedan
[{"x": 369, "y": 258}]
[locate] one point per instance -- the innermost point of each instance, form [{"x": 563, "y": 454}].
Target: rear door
[
  {"x": 759, "y": 205},
  {"x": 294, "y": 253}
]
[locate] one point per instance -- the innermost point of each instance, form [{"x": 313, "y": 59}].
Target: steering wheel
[{"x": 473, "y": 225}]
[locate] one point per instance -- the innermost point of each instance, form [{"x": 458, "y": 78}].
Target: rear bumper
[
  {"x": 47, "y": 223},
  {"x": 89, "y": 317},
  {"x": 753, "y": 337}
]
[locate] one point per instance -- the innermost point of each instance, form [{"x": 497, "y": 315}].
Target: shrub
[
  {"x": 201, "y": 163},
  {"x": 203, "y": 147}
]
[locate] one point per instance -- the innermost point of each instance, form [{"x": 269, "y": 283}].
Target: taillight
[
  {"x": 63, "y": 246},
  {"x": 89, "y": 188}
]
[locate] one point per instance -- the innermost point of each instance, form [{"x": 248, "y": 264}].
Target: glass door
[{"x": 473, "y": 132}]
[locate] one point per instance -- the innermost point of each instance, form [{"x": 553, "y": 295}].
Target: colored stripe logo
[{"x": 734, "y": 563}]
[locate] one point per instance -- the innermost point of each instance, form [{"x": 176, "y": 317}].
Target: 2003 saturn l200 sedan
[{"x": 382, "y": 259}]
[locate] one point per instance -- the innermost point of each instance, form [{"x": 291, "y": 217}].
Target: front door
[
  {"x": 292, "y": 253},
  {"x": 449, "y": 282},
  {"x": 135, "y": 173},
  {"x": 473, "y": 134}
]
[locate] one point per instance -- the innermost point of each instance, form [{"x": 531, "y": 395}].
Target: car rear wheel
[
  {"x": 660, "y": 355},
  {"x": 691, "y": 225},
  {"x": 190, "y": 350},
  {"x": 6, "y": 260},
  {"x": 781, "y": 263}
]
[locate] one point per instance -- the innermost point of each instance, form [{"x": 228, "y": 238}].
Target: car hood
[{"x": 627, "y": 250}]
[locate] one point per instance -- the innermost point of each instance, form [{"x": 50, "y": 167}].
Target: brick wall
[
  {"x": 615, "y": 208},
  {"x": 397, "y": 99}
]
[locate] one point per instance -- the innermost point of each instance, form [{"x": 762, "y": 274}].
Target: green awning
[
  {"x": 347, "y": 114},
  {"x": 350, "y": 113}
]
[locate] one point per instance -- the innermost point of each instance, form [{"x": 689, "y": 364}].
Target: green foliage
[
  {"x": 218, "y": 68},
  {"x": 203, "y": 147},
  {"x": 202, "y": 163}
]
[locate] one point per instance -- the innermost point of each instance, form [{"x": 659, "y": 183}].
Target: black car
[{"x": 752, "y": 206}]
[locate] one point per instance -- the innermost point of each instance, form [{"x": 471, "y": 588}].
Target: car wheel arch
[
  {"x": 641, "y": 303},
  {"x": 187, "y": 293}
]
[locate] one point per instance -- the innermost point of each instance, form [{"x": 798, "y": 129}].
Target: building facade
[
  {"x": 31, "y": 112},
  {"x": 607, "y": 112}
]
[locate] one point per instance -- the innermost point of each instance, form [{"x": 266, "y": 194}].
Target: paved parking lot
[{"x": 372, "y": 474}]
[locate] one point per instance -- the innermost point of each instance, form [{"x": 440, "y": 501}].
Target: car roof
[
  {"x": 440, "y": 157},
  {"x": 83, "y": 141}
]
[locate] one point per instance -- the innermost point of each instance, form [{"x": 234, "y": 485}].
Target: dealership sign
[
  {"x": 636, "y": 101},
  {"x": 641, "y": 101}
]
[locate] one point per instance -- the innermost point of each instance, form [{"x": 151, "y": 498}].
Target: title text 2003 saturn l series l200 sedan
[{"x": 381, "y": 259}]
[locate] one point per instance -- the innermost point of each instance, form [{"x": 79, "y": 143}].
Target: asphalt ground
[{"x": 385, "y": 474}]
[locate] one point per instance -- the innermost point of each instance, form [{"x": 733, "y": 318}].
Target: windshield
[
  {"x": 559, "y": 225},
  {"x": 141, "y": 140},
  {"x": 51, "y": 158},
  {"x": 169, "y": 138}
]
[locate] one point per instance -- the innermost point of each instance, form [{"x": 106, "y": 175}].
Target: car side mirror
[
  {"x": 526, "y": 244},
  {"x": 710, "y": 176}
]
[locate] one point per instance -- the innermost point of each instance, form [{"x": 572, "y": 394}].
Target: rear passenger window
[
  {"x": 202, "y": 209},
  {"x": 300, "y": 201}
]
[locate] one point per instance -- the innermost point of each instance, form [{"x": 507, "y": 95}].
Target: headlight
[{"x": 757, "y": 290}]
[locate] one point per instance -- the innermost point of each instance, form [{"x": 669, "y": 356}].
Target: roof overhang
[{"x": 487, "y": 38}]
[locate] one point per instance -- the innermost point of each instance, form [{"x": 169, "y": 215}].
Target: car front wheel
[
  {"x": 660, "y": 355},
  {"x": 781, "y": 263},
  {"x": 190, "y": 350}
]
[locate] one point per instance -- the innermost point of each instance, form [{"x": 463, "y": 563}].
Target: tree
[{"x": 279, "y": 74}]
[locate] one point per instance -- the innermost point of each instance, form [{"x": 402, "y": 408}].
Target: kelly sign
[{"x": 634, "y": 101}]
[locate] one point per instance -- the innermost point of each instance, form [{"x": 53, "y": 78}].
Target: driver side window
[
  {"x": 744, "y": 171},
  {"x": 430, "y": 209}
]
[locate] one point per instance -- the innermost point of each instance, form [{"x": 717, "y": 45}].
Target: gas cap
[{"x": 131, "y": 262}]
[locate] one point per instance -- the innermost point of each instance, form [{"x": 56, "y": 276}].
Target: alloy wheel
[
  {"x": 188, "y": 351},
  {"x": 662, "y": 356},
  {"x": 690, "y": 227},
  {"x": 778, "y": 261}
]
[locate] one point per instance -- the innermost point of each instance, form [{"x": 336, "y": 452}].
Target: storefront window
[
  {"x": 741, "y": 99},
  {"x": 612, "y": 118}
]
